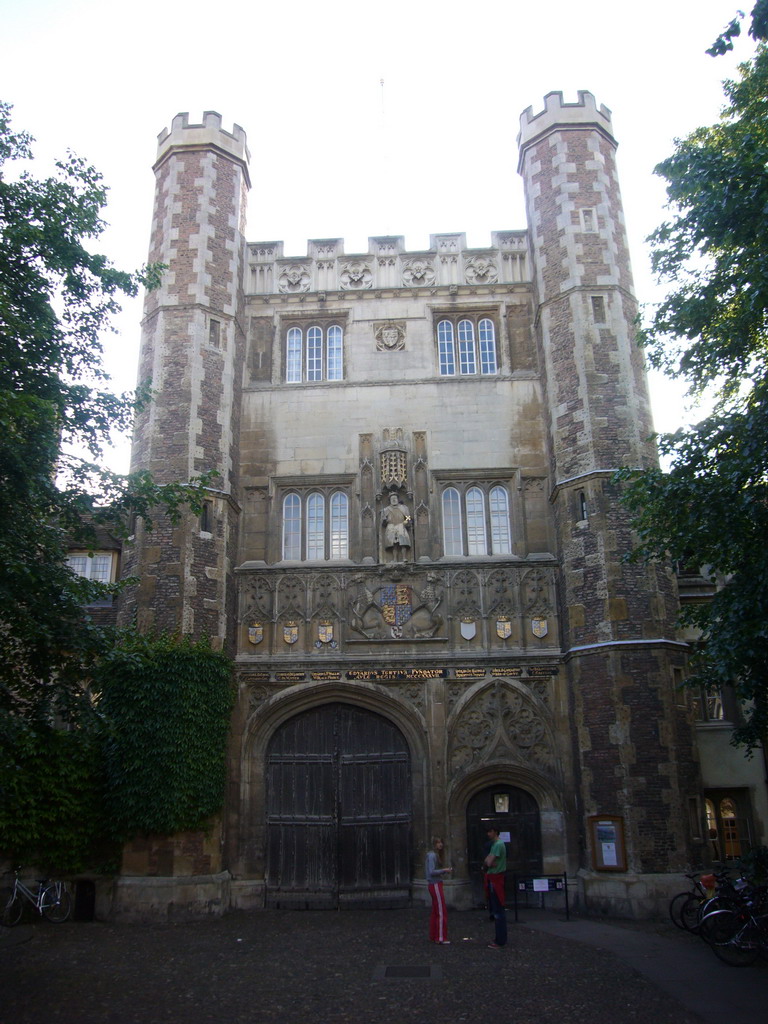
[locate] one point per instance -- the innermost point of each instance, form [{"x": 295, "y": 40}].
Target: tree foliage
[
  {"x": 758, "y": 29},
  {"x": 57, "y": 414},
  {"x": 56, "y": 301},
  {"x": 711, "y": 508}
]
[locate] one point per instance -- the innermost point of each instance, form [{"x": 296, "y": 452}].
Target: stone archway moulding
[{"x": 294, "y": 700}]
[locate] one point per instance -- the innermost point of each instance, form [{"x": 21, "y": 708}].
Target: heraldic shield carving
[{"x": 395, "y": 610}]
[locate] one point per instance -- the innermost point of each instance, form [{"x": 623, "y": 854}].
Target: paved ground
[{"x": 324, "y": 967}]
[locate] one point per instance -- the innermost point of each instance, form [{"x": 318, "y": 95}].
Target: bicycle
[
  {"x": 684, "y": 908},
  {"x": 739, "y": 936},
  {"x": 51, "y": 900}
]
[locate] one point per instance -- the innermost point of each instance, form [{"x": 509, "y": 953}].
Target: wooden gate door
[
  {"x": 338, "y": 811},
  {"x": 514, "y": 812}
]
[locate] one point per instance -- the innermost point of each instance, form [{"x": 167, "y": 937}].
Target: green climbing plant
[{"x": 166, "y": 704}]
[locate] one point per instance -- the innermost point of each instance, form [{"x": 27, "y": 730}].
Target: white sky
[{"x": 334, "y": 155}]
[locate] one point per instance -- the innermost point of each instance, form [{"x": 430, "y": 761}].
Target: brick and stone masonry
[{"x": 632, "y": 751}]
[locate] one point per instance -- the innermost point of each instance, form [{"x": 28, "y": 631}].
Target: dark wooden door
[
  {"x": 512, "y": 811},
  {"x": 338, "y": 811}
]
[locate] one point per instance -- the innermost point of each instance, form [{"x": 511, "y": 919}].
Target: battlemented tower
[
  {"x": 192, "y": 352},
  {"x": 631, "y": 740}
]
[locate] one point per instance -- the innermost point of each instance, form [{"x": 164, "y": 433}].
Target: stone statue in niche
[{"x": 396, "y": 522}]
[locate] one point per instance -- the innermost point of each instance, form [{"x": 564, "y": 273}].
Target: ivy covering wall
[{"x": 147, "y": 756}]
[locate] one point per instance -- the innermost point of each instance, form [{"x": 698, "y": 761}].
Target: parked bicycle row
[{"x": 730, "y": 914}]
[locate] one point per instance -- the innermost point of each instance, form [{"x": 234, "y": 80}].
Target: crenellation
[{"x": 387, "y": 264}]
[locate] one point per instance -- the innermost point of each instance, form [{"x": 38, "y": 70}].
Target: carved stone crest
[
  {"x": 503, "y": 627},
  {"x": 390, "y": 337},
  {"x": 291, "y": 632},
  {"x": 393, "y": 610}
]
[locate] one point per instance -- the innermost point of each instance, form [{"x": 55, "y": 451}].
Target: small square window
[{"x": 588, "y": 220}]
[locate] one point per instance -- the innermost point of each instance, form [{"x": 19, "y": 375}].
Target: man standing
[{"x": 495, "y": 866}]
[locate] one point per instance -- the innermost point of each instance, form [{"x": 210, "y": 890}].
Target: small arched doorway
[
  {"x": 515, "y": 813},
  {"x": 338, "y": 810}
]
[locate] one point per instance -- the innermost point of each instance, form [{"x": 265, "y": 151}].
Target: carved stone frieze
[
  {"x": 501, "y": 722},
  {"x": 465, "y": 587},
  {"x": 324, "y": 592},
  {"x": 418, "y": 273},
  {"x": 256, "y": 697},
  {"x": 257, "y": 598},
  {"x": 500, "y": 591},
  {"x": 537, "y": 591},
  {"x": 479, "y": 270},
  {"x": 453, "y": 693},
  {"x": 355, "y": 275},
  {"x": 294, "y": 279},
  {"x": 412, "y": 693},
  {"x": 291, "y": 598}
]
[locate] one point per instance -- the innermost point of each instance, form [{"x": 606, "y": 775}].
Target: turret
[
  {"x": 618, "y": 618},
  {"x": 192, "y": 352}
]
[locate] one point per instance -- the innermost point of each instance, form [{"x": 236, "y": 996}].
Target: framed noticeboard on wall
[{"x": 606, "y": 833}]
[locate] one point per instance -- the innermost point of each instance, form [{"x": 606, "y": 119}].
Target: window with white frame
[
  {"x": 315, "y": 526},
  {"x": 466, "y": 346},
  {"x": 476, "y": 521},
  {"x": 314, "y": 352},
  {"x": 98, "y": 566}
]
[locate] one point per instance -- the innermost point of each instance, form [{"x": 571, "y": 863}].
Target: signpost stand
[{"x": 541, "y": 885}]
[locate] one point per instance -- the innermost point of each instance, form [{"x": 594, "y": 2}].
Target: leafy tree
[
  {"x": 711, "y": 508},
  {"x": 56, "y": 301},
  {"x": 758, "y": 29},
  {"x": 56, "y": 417}
]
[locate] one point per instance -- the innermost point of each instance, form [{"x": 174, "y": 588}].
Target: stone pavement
[{"x": 326, "y": 967}]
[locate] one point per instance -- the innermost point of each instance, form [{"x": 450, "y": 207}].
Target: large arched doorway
[
  {"x": 338, "y": 810},
  {"x": 515, "y": 813}
]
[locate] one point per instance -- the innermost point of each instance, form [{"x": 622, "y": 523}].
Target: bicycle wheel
[
  {"x": 12, "y": 908},
  {"x": 733, "y": 939},
  {"x": 56, "y": 903},
  {"x": 690, "y": 913},
  {"x": 676, "y": 905}
]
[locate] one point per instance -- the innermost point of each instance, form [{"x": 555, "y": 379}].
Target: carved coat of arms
[
  {"x": 539, "y": 627},
  {"x": 504, "y": 627},
  {"x": 396, "y": 610}
]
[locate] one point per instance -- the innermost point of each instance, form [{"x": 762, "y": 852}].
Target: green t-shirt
[{"x": 499, "y": 851}]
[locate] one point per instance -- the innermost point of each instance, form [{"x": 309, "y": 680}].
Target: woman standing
[{"x": 438, "y": 923}]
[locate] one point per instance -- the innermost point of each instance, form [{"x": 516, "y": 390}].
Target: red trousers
[{"x": 438, "y": 921}]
